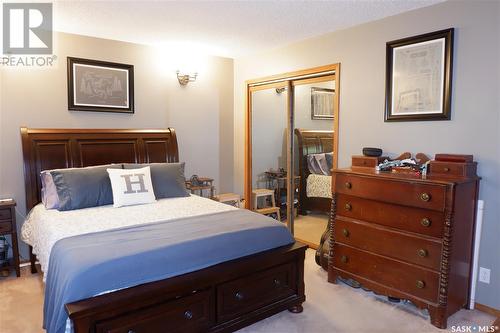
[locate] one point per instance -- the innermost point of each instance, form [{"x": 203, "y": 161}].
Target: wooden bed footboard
[{"x": 221, "y": 298}]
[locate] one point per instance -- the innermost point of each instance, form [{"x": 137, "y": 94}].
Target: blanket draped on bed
[{"x": 87, "y": 265}]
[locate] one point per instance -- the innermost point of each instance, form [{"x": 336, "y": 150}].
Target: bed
[
  {"x": 219, "y": 298},
  {"x": 314, "y": 190}
]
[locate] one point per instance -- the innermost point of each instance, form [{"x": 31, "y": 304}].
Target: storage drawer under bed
[
  {"x": 255, "y": 291},
  {"x": 189, "y": 314}
]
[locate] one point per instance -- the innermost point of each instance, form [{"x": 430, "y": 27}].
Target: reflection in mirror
[
  {"x": 269, "y": 158},
  {"x": 313, "y": 157}
]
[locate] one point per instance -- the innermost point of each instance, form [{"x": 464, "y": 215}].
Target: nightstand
[{"x": 8, "y": 227}]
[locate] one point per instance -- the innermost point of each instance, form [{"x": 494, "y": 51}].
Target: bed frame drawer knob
[
  {"x": 188, "y": 315},
  {"x": 239, "y": 296},
  {"x": 348, "y": 185}
]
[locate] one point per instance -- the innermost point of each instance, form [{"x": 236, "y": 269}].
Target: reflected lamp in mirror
[
  {"x": 184, "y": 79},
  {"x": 322, "y": 101}
]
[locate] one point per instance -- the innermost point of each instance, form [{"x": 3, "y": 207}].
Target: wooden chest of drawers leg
[{"x": 438, "y": 316}]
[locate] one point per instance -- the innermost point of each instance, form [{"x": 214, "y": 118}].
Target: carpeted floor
[
  {"x": 310, "y": 227},
  {"x": 329, "y": 308}
]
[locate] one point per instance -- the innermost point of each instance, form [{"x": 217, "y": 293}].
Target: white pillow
[{"x": 131, "y": 187}]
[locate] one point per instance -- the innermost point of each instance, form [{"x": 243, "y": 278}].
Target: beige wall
[
  {"x": 201, "y": 112},
  {"x": 361, "y": 51}
]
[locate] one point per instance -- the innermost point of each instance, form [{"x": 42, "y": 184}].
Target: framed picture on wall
[
  {"x": 322, "y": 101},
  {"x": 418, "y": 77},
  {"x": 100, "y": 86}
]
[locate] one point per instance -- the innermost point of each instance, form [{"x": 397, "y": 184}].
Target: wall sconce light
[{"x": 184, "y": 79}]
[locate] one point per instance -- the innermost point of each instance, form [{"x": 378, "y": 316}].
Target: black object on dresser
[
  {"x": 8, "y": 227},
  {"x": 404, "y": 235}
]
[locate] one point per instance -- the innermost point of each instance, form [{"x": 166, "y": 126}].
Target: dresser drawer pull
[
  {"x": 188, "y": 315},
  {"x": 425, "y": 197},
  {"x": 277, "y": 282},
  {"x": 348, "y": 185},
  {"x": 422, "y": 253},
  {"x": 425, "y": 222},
  {"x": 344, "y": 259},
  {"x": 239, "y": 296},
  {"x": 348, "y": 206},
  {"x": 345, "y": 232},
  {"x": 131, "y": 331},
  {"x": 420, "y": 284},
  {"x": 446, "y": 169}
]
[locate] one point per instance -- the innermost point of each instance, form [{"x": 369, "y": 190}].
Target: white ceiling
[{"x": 224, "y": 28}]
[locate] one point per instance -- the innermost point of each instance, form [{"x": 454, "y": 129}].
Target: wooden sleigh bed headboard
[
  {"x": 311, "y": 142},
  {"x": 45, "y": 149}
]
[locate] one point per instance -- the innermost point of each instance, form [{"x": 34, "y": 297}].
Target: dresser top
[{"x": 429, "y": 178}]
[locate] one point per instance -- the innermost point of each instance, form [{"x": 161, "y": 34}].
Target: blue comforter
[{"x": 86, "y": 265}]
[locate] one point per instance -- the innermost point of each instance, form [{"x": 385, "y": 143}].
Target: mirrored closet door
[
  {"x": 269, "y": 150},
  {"x": 291, "y": 147},
  {"x": 314, "y": 105}
]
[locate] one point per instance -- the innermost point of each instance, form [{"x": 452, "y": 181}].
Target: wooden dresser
[{"x": 405, "y": 236}]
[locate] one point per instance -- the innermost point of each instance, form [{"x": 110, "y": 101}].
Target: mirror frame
[{"x": 288, "y": 80}]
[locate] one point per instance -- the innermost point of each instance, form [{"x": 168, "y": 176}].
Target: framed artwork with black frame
[
  {"x": 419, "y": 76},
  {"x": 100, "y": 86},
  {"x": 322, "y": 101}
]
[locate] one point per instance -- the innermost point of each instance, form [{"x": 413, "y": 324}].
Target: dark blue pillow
[
  {"x": 329, "y": 161},
  {"x": 83, "y": 187},
  {"x": 168, "y": 179}
]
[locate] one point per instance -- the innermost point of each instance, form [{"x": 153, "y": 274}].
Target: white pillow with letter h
[{"x": 131, "y": 186}]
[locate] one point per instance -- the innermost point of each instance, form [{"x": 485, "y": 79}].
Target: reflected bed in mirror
[{"x": 315, "y": 188}]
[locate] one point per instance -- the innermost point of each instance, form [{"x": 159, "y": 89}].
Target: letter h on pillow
[{"x": 131, "y": 187}]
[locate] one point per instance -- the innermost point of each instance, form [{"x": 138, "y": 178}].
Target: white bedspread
[
  {"x": 319, "y": 186},
  {"x": 43, "y": 228}
]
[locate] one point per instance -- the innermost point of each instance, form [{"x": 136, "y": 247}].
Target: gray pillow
[
  {"x": 168, "y": 179},
  {"x": 320, "y": 164},
  {"x": 329, "y": 161},
  {"x": 83, "y": 187}
]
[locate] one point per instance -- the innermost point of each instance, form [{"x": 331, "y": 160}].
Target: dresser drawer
[
  {"x": 392, "y": 244},
  {"x": 422, "y": 221},
  {"x": 255, "y": 291},
  {"x": 5, "y": 214},
  {"x": 192, "y": 314},
  {"x": 367, "y": 161},
  {"x": 419, "y": 282},
  {"x": 428, "y": 196},
  {"x": 5, "y": 227},
  {"x": 455, "y": 169}
]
